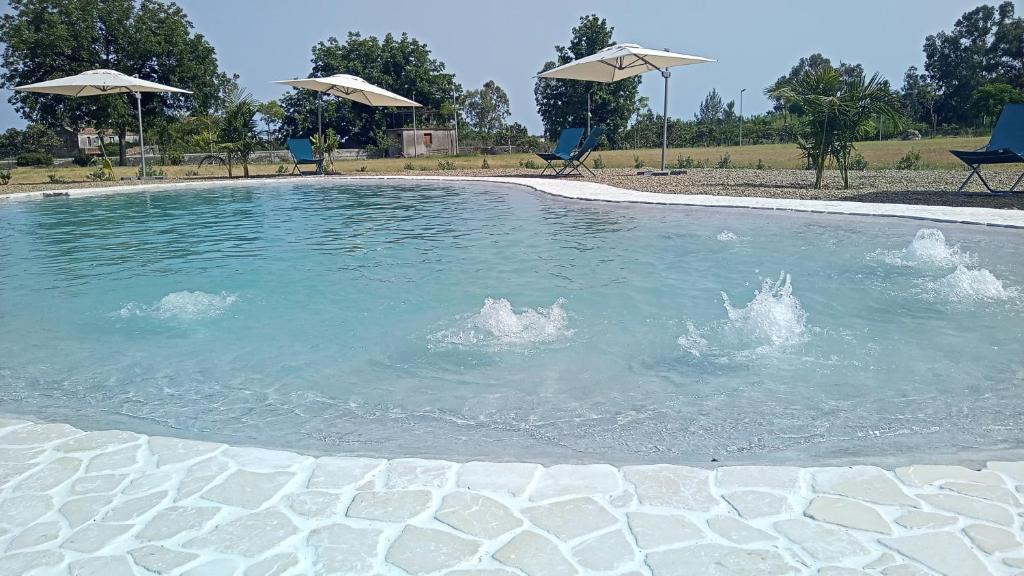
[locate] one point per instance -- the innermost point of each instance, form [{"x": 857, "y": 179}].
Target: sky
[{"x": 753, "y": 41}]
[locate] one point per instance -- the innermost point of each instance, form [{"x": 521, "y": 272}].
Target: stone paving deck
[{"x": 110, "y": 503}]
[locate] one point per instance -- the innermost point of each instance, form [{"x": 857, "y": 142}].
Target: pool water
[{"x": 485, "y": 321}]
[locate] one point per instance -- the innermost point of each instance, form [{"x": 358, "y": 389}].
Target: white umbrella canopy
[
  {"x": 99, "y": 82},
  {"x": 624, "y": 61},
  {"x": 353, "y": 88}
]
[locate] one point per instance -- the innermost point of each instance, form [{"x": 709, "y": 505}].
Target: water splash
[
  {"x": 183, "y": 305},
  {"x": 499, "y": 326},
  {"x": 727, "y": 236},
  {"x": 969, "y": 285},
  {"x": 929, "y": 249},
  {"x": 771, "y": 322}
]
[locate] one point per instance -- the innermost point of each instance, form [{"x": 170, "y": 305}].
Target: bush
[
  {"x": 684, "y": 163},
  {"x": 485, "y": 165},
  {"x": 54, "y": 179},
  {"x": 34, "y": 159},
  {"x": 761, "y": 165},
  {"x": 409, "y": 166},
  {"x": 724, "y": 162},
  {"x": 445, "y": 165},
  {"x": 362, "y": 168},
  {"x": 281, "y": 169},
  {"x": 910, "y": 161},
  {"x": 172, "y": 158},
  {"x": 598, "y": 162},
  {"x": 5, "y": 177},
  {"x": 151, "y": 171},
  {"x": 529, "y": 164},
  {"x": 192, "y": 172},
  {"x": 98, "y": 174},
  {"x": 638, "y": 162},
  {"x": 82, "y": 160},
  {"x": 857, "y": 162}
]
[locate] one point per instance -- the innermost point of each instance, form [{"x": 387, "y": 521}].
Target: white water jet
[
  {"x": 498, "y": 325},
  {"x": 967, "y": 285},
  {"x": 727, "y": 236},
  {"x": 183, "y": 305},
  {"x": 929, "y": 248}
]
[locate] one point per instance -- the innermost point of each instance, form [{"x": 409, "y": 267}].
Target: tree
[
  {"x": 836, "y": 110},
  {"x": 273, "y": 115},
  {"x": 563, "y": 103},
  {"x": 486, "y": 109},
  {"x": 803, "y": 66},
  {"x": 988, "y": 101},
  {"x": 919, "y": 97},
  {"x": 402, "y": 65},
  {"x": 237, "y": 131},
  {"x": 46, "y": 39}
]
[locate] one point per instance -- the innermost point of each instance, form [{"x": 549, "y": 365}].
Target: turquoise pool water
[{"x": 486, "y": 321}]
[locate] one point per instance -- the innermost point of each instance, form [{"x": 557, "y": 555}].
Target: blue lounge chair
[
  {"x": 302, "y": 153},
  {"x": 579, "y": 157},
  {"x": 567, "y": 143},
  {"x": 1005, "y": 147}
]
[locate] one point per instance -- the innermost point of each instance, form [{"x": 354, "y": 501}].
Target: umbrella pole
[
  {"x": 319, "y": 115},
  {"x": 142, "y": 143},
  {"x": 664, "y": 128}
]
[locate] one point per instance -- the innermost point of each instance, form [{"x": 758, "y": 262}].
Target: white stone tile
[
  {"x": 992, "y": 540},
  {"x": 509, "y": 478},
  {"x": 250, "y": 535},
  {"x": 718, "y": 560},
  {"x": 575, "y": 480},
  {"x": 333, "y": 473},
  {"x": 247, "y": 489},
  {"x": 275, "y": 565},
  {"x": 535, "y": 555},
  {"x": 94, "y": 537},
  {"x": 672, "y": 487},
  {"x": 35, "y": 535},
  {"x": 570, "y": 519},
  {"x": 218, "y": 567},
  {"x": 174, "y": 520},
  {"x": 97, "y": 484},
  {"x": 37, "y": 434},
  {"x": 390, "y": 506},
  {"x": 49, "y": 476},
  {"x": 943, "y": 552},
  {"x": 101, "y": 566},
  {"x": 24, "y": 509},
  {"x": 996, "y": 494},
  {"x": 114, "y": 460},
  {"x": 821, "y": 541},
  {"x": 22, "y": 563},
  {"x": 753, "y": 504},
  {"x": 315, "y": 503},
  {"x": 738, "y": 531},
  {"x": 263, "y": 460},
  {"x": 78, "y": 511},
  {"x": 970, "y": 507},
  {"x": 866, "y": 483},
  {"x": 477, "y": 515},
  {"x": 406, "y": 473},
  {"x": 848, "y": 513},
  {"x": 171, "y": 451},
  {"x": 780, "y": 478},
  {"x": 605, "y": 552},
  {"x": 160, "y": 559},
  {"x": 102, "y": 440},
  {"x": 923, "y": 475},
  {"x": 426, "y": 550},
  {"x": 1012, "y": 470},
  {"x": 131, "y": 509},
  {"x": 918, "y": 520},
  {"x": 659, "y": 530},
  {"x": 200, "y": 475}
]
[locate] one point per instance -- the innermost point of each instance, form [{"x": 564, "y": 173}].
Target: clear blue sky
[{"x": 754, "y": 41}]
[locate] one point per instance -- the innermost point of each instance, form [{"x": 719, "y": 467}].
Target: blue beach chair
[
  {"x": 579, "y": 158},
  {"x": 1005, "y": 147},
  {"x": 302, "y": 153},
  {"x": 567, "y": 143}
]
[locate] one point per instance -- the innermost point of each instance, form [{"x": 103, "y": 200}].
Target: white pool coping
[
  {"x": 584, "y": 190},
  {"x": 111, "y": 503}
]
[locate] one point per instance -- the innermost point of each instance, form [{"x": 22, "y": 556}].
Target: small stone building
[
  {"x": 87, "y": 141},
  {"x": 406, "y": 142}
]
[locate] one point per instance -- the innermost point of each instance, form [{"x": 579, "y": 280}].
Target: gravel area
[{"x": 924, "y": 187}]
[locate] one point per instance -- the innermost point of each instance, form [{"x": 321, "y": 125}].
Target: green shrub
[
  {"x": 81, "y": 160},
  {"x": 761, "y": 165},
  {"x": 445, "y": 165},
  {"x": 54, "y": 179},
  {"x": 5, "y": 177},
  {"x": 485, "y": 165},
  {"x": 598, "y": 163},
  {"x": 34, "y": 159},
  {"x": 910, "y": 161},
  {"x": 151, "y": 171},
  {"x": 529, "y": 164},
  {"x": 638, "y": 162},
  {"x": 701, "y": 164},
  {"x": 857, "y": 162},
  {"x": 362, "y": 168},
  {"x": 98, "y": 174},
  {"x": 409, "y": 166},
  {"x": 684, "y": 163},
  {"x": 192, "y": 172},
  {"x": 172, "y": 158},
  {"x": 281, "y": 169},
  {"x": 725, "y": 162}
]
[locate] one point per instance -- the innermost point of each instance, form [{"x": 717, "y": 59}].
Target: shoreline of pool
[
  {"x": 593, "y": 191},
  {"x": 116, "y": 502}
]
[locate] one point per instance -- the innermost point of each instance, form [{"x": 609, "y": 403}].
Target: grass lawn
[{"x": 880, "y": 155}]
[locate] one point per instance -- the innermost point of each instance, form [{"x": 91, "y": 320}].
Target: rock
[
  {"x": 101, "y": 566},
  {"x": 753, "y": 504},
  {"x": 49, "y": 476},
  {"x": 250, "y": 535},
  {"x": 249, "y": 490},
  {"x": 575, "y": 480},
  {"x": 337, "y": 473},
  {"x": 780, "y": 478},
  {"x": 24, "y": 509},
  {"x": 275, "y": 565},
  {"x": 218, "y": 567},
  {"x": 10, "y": 472},
  {"x": 672, "y": 486},
  {"x": 512, "y": 479},
  {"x": 823, "y": 542},
  {"x": 606, "y": 552},
  {"x": 570, "y": 519},
  {"x": 104, "y": 440},
  {"x": 200, "y": 475},
  {"x": 132, "y": 509},
  {"x": 477, "y": 515},
  {"x": 97, "y": 484},
  {"x": 174, "y": 520},
  {"x": 392, "y": 506},
  {"x": 848, "y": 513},
  {"x": 314, "y": 503},
  {"x": 886, "y": 559},
  {"x": 35, "y": 434},
  {"x": 147, "y": 483},
  {"x": 737, "y": 531},
  {"x": 23, "y": 563},
  {"x": 342, "y": 548},
  {"x": 994, "y": 493},
  {"x": 343, "y": 560},
  {"x": 990, "y": 539},
  {"x": 535, "y": 555},
  {"x": 1013, "y": 470},
  {"x": 21, "y": 454},
  {"x": 917, "y": 520},
  {"x": 658, "y": 530},
  {"x": 78, "y": 511},
  {"x": 263, "y": 460},
  {"x": 94, "y": 537},
  {"x": 718, "y": 560},
  {"x": 943, "y": 552},
  {"x": 405, "y": 473},
  {"x": 922, "y": 475},
  {"x": 35, "y": 535},
  {"x": 866, "y": 483},
  {"x": 425, "y": 550},
  {"x": 971, "y": 507},
  {"x": 119, "y": 459},
  {"x": 171, "y": 451},
  {"x": 160, "y": 559}
]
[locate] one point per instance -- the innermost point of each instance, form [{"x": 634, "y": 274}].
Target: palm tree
[
  {"x": 237, "y": 129},
  {"x": 834, "y": 111}
]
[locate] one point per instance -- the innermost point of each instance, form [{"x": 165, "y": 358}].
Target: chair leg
[
  {"x": 991, "y": 192},
  {"x": 1013, "y": 189},
  {"x": 974, "y": 172}
]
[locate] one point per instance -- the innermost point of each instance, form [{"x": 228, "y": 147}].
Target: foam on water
[
  {"x": 773, "y": 321},
  {"x": 968, "y": 285},
  {"x": 928, "y": 248},
  {"x": 499, "y": 326},
  {"x": 727, "y": 236},
  {"x": 183, "y": 305}
]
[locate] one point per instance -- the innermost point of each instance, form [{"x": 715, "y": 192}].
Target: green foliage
[
  {"x": 858, "y": 162},
  {"x": 529, "y": 164},
  {"x": 638, "y": 162},
  {"x": 725, "y": 162},
  {"x": 362, "y": 168},
  {"x": 103, "y": 170},
  {"x": 34, "y": 138},
  {"x": 988, "y": 101},
  {"x": 81, "y": 160},
  {"x": 909, "y": 161},
  {"x": 401, "y": 64},
  {"x": 5, "y": 177},
  {"x": 151, "y": 171},
  {"x": 485, "y": 165},
  {"x": 34, "y": 159},
  {"x": 684, "y": 163},
  {"x": 325, "y": 147},
  {"x": 192, "y": 172},
  {"x": 54, "y": 179},
  {"x": 409, "y": 166},
  {"x": 236, "y": 130},
  {"x": 598, "y": 163},
  {"x": 563, "y": 103},
  {"x": 761, "y": 165},
  {"x": 281, "y": 169},
  {"x": 486, "y": 109},
  {"x": 445, "y": 165}
]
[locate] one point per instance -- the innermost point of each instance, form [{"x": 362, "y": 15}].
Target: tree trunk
[
  {"x": 230, "y": 175},
  {"x": 122, "y": 146},
  {"x": 245, "y": 167}
]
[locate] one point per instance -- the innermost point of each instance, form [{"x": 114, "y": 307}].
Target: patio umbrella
[
  {"x": 624, "y": 61},
  {"x": 356, "y": 89},
  {"x": 99, "y": 82}
]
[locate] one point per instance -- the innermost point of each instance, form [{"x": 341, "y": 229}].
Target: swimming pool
[{"x": 471, "y": 320}]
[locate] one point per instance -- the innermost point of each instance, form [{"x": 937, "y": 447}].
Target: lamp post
[
  {"x": 455, "y": 105},
  {"x": 741, "y": 115}
]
